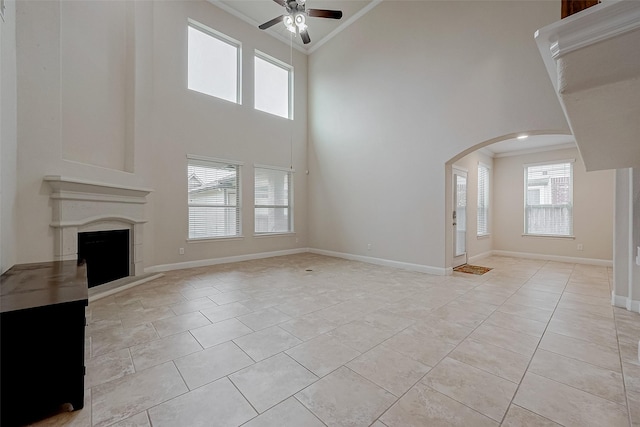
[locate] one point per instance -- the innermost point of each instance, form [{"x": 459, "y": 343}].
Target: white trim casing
[
  {"x": 230, "y": 41},
  {"x": 213, "y": 159},
  {"x": 559, "y": 258},
  {"x": 261, "y": 255},
  {"x": 550, "y": 162},
  {"x": 480, "y": 256},
  {"x": 593, "y": 25},
  {"x": 625, "y": 302},
  {"x": 291, "y": 84},
  {"x": 223, "y": 260},
  {"x": 113, "y": 291},
  {"x": 438, "y": 271},
  {"x": 275, "y": 168}
]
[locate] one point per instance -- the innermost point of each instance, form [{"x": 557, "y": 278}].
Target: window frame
[
  {"x": 290, "y": 203},
  {"x": 486, "y": 202},
  {"x": 225, "y": 39},
  {"x": 570, "y": 205},
  {"x": 290, "y": 71},
  {"x": 213, "y": 161}
]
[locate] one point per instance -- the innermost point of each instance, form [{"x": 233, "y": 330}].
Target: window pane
[
  {"x": 272, "y": 187},
  {"x": 213, "y": 65},
  {"x": 549, "y": 199},
  {"x": 272, "y": 201},
  {"x": 271, "y": 88},
  {"x": 214, "y": 199},
  {"x": 272, "y": 220},
  {"x": 206, "y": 222},
  {"x": 483, "y": 200}
]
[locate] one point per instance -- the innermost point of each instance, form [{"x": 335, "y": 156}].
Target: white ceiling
[
  {"x": 533, "y": 143},
  {"x": 257, "y": 12}
]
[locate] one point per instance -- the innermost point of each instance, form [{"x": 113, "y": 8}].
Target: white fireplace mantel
[
  {"x": 80, "y": 205},
  {"x": 67, "y": 185}
]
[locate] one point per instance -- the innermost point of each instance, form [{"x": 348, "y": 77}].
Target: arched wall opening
[{"x": 448, "y": 202}]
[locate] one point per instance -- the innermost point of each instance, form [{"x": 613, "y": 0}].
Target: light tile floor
[{"x": 308, "y": 340}]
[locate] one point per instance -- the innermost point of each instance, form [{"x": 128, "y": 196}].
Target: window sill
[
  {"x": 287, "y": 233},
  {"x": 552, "y": 236},
  {"x": 483, "y": 236},
  {"x": 214, "y": 239}
]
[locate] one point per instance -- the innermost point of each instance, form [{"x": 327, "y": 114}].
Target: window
[
  {"x": 213, "y": 63},
  {"x": 272, "y": 86},
  {"x": 549, "y": 199},
  {"x": 214, "y": 198},
  {"x": 273, "y": 194},
  {"x": 483, "y": 200}
]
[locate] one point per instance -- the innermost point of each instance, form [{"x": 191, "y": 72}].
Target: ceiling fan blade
[
  {"x": 281, "y": 3},
  {"x": 324, "y": 13},
  {"x": 305, "y": 37},
  {"x": 271, "y": 23}
]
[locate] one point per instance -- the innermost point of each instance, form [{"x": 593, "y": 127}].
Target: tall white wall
[
  {"x": 187, "y": 122},
  {"x": 97, "y": 76},
  {"x": 132, "y": 120},
  {"x": 395, "y": 96},
  {"x": 8, "y": 139},
  {"x": 593, "y": 204},
  {"x": 50, "y": 98}
]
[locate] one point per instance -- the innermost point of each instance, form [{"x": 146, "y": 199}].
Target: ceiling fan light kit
[{"x": 296, "y": 18}]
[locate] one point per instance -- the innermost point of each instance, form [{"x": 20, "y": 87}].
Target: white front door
[{"x": 459, "y": 217}]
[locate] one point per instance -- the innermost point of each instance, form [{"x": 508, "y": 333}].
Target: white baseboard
[
  {"x": 385, "y": 262},
  {"x": 439, "y": 271},
  {"x": 558, "y": 258},
  {"x": 479, "y": 256},
  {"x": 223, "y": 260},
  {"x": 625, "y": 302},
  {"x": 113, "y": 291}
]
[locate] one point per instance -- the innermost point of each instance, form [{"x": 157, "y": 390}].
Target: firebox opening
[{"x": 106, "y": 254}]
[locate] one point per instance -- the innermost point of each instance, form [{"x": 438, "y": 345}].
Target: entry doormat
[{"x": 472, "y": 269}]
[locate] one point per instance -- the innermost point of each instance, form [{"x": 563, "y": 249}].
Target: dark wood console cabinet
[{"x": 42, "y": 332}]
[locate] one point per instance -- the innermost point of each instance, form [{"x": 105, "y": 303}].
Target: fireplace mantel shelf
[{"x": 64, "y": 184}]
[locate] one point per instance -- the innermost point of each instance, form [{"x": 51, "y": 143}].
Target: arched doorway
[{"x": 466, "y": 165}]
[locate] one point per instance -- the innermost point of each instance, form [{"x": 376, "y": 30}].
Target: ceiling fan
[{"x": 295, "y": 18}]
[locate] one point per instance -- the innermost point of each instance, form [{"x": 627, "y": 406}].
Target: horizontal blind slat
[
  {"x": 483, "y": 200},
  {"x": 213, "y": 198},
  {"x": 272, "y": 210}
]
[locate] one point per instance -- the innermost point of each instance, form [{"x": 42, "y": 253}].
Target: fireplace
[
  {"x": 80, "y": 206},
  {"x": 106, "y": 254}
]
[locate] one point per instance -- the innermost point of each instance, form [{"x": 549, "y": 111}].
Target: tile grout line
[
  {"x": 624, "y": 385},
  {"x": 454, "y": 349},
  {"x": 309, "y": 410},
  {"x": 245, "y": 397},
  {"x": 536, "y": 349},
  {"x": 475, "y": 286}
]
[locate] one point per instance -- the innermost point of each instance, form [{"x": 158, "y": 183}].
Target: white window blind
[
  {"x": 272, "y": 85},
  {"x": 483, "y": 200},
  {"x": 549, "y": 199},
  {"x": 214, "y": 199},
  {"x": 273, "y": 193},
  {"x": 213, "y": 63}
]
